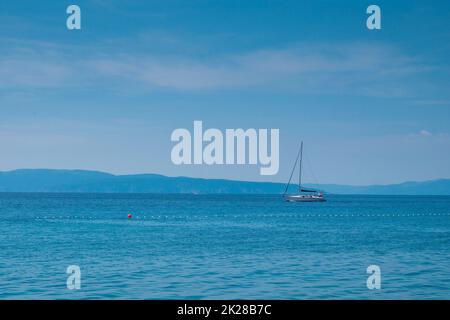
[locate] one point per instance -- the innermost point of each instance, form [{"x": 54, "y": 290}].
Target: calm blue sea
[{"x": 223, "y": 247}]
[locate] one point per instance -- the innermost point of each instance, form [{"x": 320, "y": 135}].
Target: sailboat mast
[
  {"x": 292, "y": 173},
  {"x": 300, "y": 171}
]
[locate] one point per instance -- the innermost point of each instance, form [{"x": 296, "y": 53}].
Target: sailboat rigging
[{"x": 304, "y": 194}]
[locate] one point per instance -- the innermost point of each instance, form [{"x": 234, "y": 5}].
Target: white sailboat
[{"x": 303, "y": 195}]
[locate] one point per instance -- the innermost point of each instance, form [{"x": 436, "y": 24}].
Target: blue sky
[{"x": 371, "y": 106}]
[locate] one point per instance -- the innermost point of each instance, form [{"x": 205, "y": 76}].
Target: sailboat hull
[{"x": 304, "y": 198}]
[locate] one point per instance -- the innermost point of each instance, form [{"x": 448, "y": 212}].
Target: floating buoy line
[{"x": 299, "y": 216}]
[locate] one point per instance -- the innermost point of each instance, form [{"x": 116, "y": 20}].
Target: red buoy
[{"x": 130, "y": 216}]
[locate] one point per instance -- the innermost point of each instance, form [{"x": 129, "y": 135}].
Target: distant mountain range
[{"x": 46, "y": 180}]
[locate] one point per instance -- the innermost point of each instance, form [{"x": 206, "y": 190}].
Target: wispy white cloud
[
  {"x": 351, "y": 68},
  {"x": 426, "y": 133},
  {"x": 429, "y": 135},
  {"x": 431, "y": 102},
  {"x": 18, "y": 72}
]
